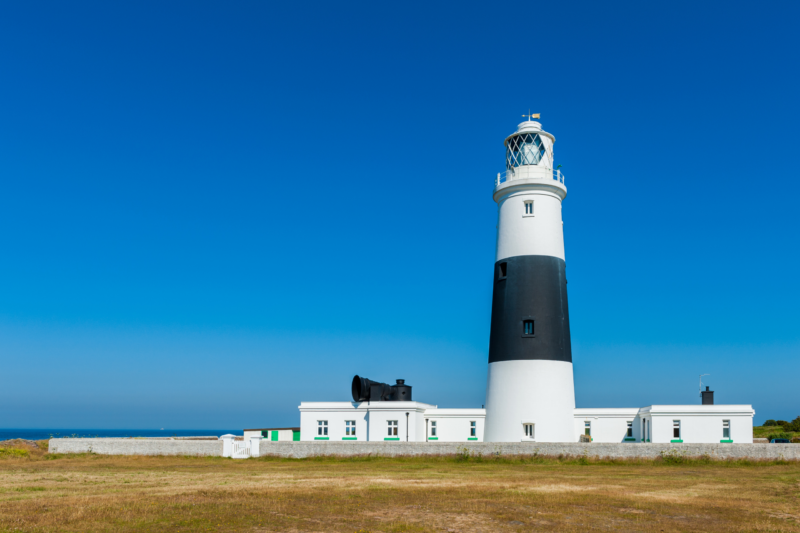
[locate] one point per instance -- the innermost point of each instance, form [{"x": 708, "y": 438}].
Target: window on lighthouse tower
[
  {"x": 528, "y": 207},
  {"x": 502, "y": 271},
  {"x": 527, "y": 327}
]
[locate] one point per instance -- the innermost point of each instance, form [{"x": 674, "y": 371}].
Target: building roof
[
  {"x": 700, "y": 410},
  {"x": 338, "y": 406},
  {"x": 271, "y": 429}
]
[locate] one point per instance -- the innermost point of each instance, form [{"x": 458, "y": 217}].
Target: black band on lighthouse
[{"x": 530, "y": 288}]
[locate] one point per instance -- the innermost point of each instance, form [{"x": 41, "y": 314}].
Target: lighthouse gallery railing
[{"x": 510, "y": 175}]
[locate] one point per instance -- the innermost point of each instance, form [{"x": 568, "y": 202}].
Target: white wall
[
  {"x": 379, "y": 427},
  {"x": 699, "y": 423},
  {"x": 372, "y": 421},
  {"x": 608, "y": 425},
  {"x": 702, "y": 425},
  {"x": 531, "y": 391},
  {"x": 453, "y": 425},
  {"x": 521, "y": 234},
  {"x": 283, "y": 434},
  {"x": 336, "y": 413}
]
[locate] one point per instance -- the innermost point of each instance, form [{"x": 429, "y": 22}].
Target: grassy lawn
[{"x": 41, "y": 492}]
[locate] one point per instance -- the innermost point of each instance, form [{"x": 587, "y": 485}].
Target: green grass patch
[{"x": 13, "y": 452}]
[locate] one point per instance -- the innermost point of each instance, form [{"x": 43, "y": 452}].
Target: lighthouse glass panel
[{"x": 525, "y": 149}]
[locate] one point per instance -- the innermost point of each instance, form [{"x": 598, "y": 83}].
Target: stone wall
[
  {"x": 615, "y": 450},
  {"x": 390, "y": 449},
  {"x": 137, "y": 446}
]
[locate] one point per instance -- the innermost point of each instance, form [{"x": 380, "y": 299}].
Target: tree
[{"x": 770, "y": 422}]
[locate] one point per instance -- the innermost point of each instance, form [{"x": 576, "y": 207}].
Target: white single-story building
[
  {"x": 422, "y": 422},
  {"x": 273, "y": 434},
  {"x": 668, "y": 423},
  {"x": 389, "y": 421}
]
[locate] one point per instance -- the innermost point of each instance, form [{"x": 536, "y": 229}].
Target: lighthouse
[{"x": 530, "y": 394}]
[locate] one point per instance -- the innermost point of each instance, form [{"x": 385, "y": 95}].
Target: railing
[{"x": 514, "y": 174}]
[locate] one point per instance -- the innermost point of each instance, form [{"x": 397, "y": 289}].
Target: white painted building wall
[
  {"x": 608, "y": 425},
  {"x": 372, "y": 421},
  {"x": 701, "y": 423},
  {"x": 380, "y": 413},
  {"x": 454, "y": 425},
  {"x": 698, "y": 423},
  {"x": 534, "y": 392},
  {"x": 269, "y": 434},
  {"x": 538, "y": 234},
  {"x": 335, "y": 414}
]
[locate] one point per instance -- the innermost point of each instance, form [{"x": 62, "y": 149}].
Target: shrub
[
  {"x": 780, "y": 436},
  {"x": 463, "y": 454},
  {"x": 673, "y": 457},
  {"x": 13, "y": 452},
  {"x": 770, "y": 423},
  {"x": 796, "y": 440},
  {"x": 794, "y": 425},
  {"x": 782, "y": 423}
]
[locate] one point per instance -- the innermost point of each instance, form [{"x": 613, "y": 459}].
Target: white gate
[{"x": 241, "y": 449}]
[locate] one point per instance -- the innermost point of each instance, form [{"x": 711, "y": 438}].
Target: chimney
[{"x": 708, "y": 397}]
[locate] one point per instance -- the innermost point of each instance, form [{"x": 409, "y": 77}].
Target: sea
[{"x": 41, "y": 434}]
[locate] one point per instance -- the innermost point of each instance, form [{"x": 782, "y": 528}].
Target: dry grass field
[{"x": 41, "y": 492}]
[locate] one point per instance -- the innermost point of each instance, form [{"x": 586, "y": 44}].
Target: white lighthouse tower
[{"x": 530, "y": 393}]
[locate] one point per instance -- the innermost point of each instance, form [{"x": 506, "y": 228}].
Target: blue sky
[{"x": 212, "y": 211}]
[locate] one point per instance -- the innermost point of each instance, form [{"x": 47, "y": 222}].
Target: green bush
[
  {"x": 13, "y": 452},
  {"x": 780, "y": 436},
  {"x": 673, "y": 457},
  {"x": 782, "y": 423},
  {"x": 794, "y": 425},
  {"x": 770, "y": 423}
]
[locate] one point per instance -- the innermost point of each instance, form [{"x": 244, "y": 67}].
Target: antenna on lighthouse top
[
  {"x": 701, "y": 382},
  {"x": 531, "y": 115}
]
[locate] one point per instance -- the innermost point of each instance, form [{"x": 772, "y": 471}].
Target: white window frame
[
  {"x": 349, "y": 428},
  {"x": 629, "y": 434},
  {"x": 529, "y": 431},
  {"x": 587, "y": 425},
  {"x": 676, "y": 425},
  {"x": 528, "y": 208},
  {"x": 433, "y": 428},
  {"x": 392, "y": 427},
  {"x": 322, "y": 428},
  {"x": 726, "y": 430},
  {"x": 473, "y": 428}
]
